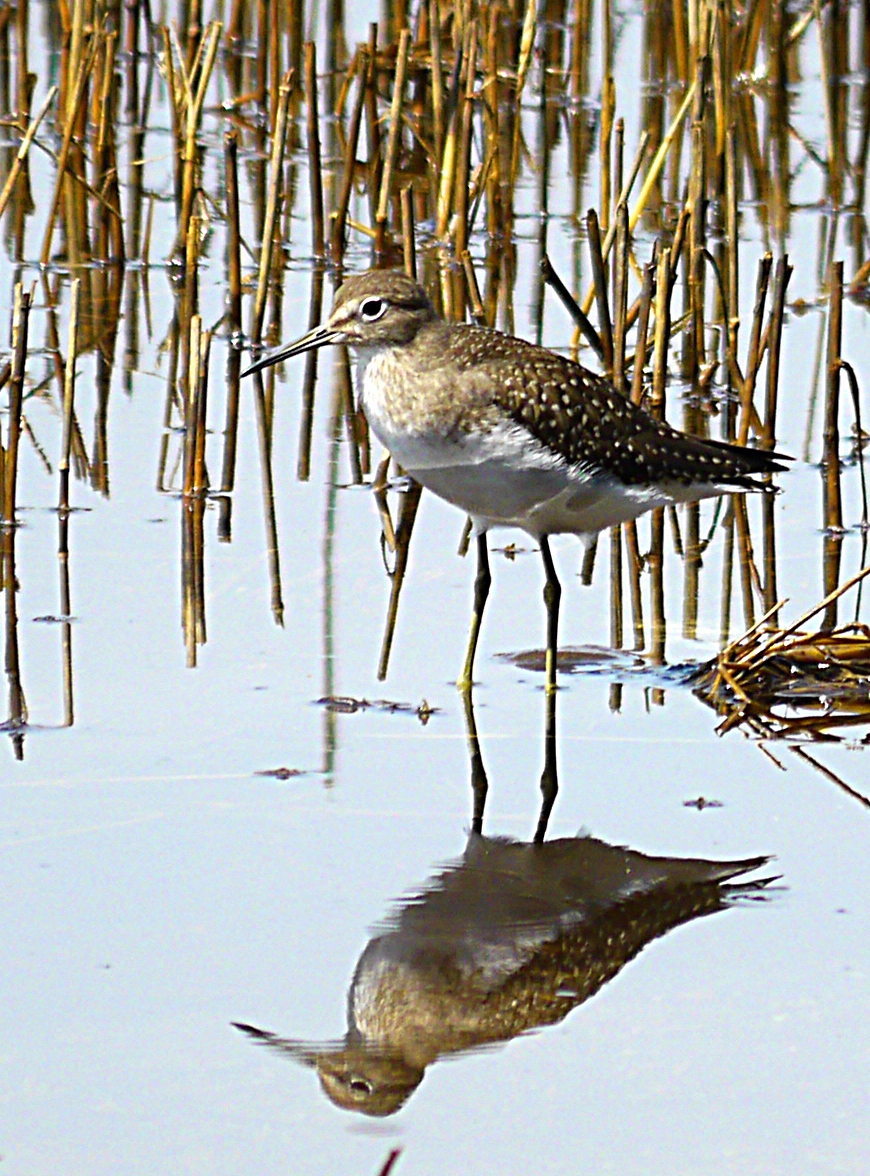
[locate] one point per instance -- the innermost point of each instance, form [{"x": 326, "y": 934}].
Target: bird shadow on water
[{"x": 507, "y": 939}]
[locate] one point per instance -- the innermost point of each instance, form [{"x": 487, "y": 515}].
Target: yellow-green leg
[
  {"x": 552, "y": 596},
  {"x": 482, "y": 582}
]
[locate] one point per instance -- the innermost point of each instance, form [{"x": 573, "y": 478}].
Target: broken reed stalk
[
  {"x": 189, "y": 307},
  {"x": 271, "y": 219},
  {"x": 624, "y": 194},
  {"x": 234, "y": 315},
  {"x": 392, "y": 141},
  {"x": 774, "y": 347},
  {"x": 447, "y": 172},
  {"x": 770, "y": 590},
  {"x": 835, "y": 153},
  {"x": 748, "y": 413},
  {"x": 189, "y": 158},
  {"x": 339, "y": 224},
  {"x": 234, "y": 237},
  {"x": 478, "y": 313},
  {"x": 635, "y": 567},
  {"x": 731, "y": 308},
  {"x": 587, "y": 330},
  {"x": 620, "y": 297},
  {"x": 69, "y": 394},
  {"x": 462, "y": 178},
  {"x": 437, "y": 71},
  {"x": 657, "y": 408},
  {"x": 131, "y": 52},
  {"x": 608, "y": 110},
  {"x": 492, "y": 135},
  {"x": 833, "y": 507},
  {"x": 74, "y": 105},
  {"x": 375, "y": 162},
  {"x": 74, "y": 28},
  {"x": 110, "y": 224},
  {"x": 646, "y": 301},
  {"x": 315, "y": 175},
  {"x": 273, "y": 36},
  {"x": 630, "y": 528},
  {"x": 306, "y": 422},
  {"x": 527, "y": 45},
  {"x": 599, "y": 277},
  {"x": 409, "y": 248},
  {"x": 662, "y": 336},
  {"x": 24, "y": 147},
  {"x": 651, "y": 176},
  {"x": 616, "y": 606},
  {"x": 693, "y": 351}
]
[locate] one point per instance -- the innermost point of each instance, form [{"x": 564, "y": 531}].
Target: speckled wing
[{"x": 580, "y": 416}]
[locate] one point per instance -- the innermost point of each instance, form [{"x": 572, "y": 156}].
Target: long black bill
[{"x": 319, "y": 337}]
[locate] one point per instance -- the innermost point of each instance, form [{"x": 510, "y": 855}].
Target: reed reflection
[
  {"x": 16, "y": 724},
  {"x": 509, "y": 938}
]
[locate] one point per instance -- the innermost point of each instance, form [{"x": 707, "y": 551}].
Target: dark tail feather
[{"x": 752, "y": 461}]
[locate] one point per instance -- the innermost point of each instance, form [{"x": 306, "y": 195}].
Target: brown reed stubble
[{"x": 482, "y": 104}]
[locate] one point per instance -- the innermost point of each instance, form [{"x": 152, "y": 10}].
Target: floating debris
[
  {"x": 281, "y": 773},
  {"x": 343, "y": 704}
]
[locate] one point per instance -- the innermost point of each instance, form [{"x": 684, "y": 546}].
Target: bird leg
[
  {"x": 482, "y": 582},
  {"x": 552, "y": 596}
]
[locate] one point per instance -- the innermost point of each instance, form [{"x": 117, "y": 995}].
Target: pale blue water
[{"x": 157, "y": 888}]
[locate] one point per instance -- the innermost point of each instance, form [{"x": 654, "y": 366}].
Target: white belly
[
  {"x": 548, "y": 503},
  {"x": 504, "y": 477}
]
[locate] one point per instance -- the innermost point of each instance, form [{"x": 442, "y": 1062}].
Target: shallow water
[{"x": 160, "y": 881}]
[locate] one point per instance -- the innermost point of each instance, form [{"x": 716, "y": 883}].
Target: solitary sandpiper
[{"x": 513, "y": 434}]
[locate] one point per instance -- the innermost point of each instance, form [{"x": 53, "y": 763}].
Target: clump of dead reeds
[{"x": 795, "y": 683}]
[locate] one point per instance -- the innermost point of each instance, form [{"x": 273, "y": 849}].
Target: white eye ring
[{"x": 371, "y": 309}]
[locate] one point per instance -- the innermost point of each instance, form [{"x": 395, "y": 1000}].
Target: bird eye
[
  {"x": 360, "y": 1086},
  {"x": 371, "y": 309}
]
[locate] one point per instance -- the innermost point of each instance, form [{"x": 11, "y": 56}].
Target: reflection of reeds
[
  {"x": 69, "y": 396},
  {"x": 17, "y": 703},
  {"x": 20, "y": 321}
]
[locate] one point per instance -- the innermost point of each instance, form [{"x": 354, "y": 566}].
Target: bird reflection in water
[{"x": 509, "y": 938}]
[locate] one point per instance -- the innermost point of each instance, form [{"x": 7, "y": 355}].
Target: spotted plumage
[
  {"x": 582, "y": 418},
  {"x": 511, "y": 433}
]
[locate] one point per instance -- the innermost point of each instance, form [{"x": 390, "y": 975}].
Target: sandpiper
[{"x": 511, "y": 433}]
